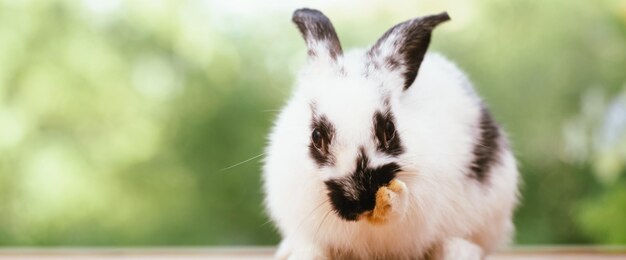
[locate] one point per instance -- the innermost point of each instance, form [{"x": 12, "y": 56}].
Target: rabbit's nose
[{"x": 354, "y": 195}]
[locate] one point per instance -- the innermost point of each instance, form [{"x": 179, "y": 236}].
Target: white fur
[{"x": 436, "y": 120}]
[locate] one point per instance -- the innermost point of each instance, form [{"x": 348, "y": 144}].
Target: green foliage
[
  {"x": 119, "y": 120},
  {"x": 603, "y": 218}
]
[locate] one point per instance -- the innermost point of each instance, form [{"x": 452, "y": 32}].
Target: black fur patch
[
  {"x": 486, "y": 148},
  {"x": 316, "y": 27},
  {"x": 410, "y": 42},
  {"x": 320, "y": 122},
  {"x": 356, "y": 193},
  {"x": 392, "y": 63},
  {"x": 393, "y": 146}
]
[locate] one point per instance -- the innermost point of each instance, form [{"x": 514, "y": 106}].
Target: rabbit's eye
[
  {"x": 390, "y": 133},
  {"x": 321, "y": 140},
  {"x": 387, "y": 138},
  {"x": 317, "y": 137}
]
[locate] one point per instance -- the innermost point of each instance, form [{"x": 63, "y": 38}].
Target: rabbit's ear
[
  {"x": 402, "y": 48},
  {"x": 319, "y": 34}
]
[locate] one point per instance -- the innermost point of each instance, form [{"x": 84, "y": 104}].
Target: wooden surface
[{"x": 532, "y": 253}]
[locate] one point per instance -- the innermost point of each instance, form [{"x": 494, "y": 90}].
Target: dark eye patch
[
  {"x": 387, "y": 138},
  {"x": 322, "y": 133}
]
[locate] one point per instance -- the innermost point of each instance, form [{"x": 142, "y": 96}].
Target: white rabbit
[{"x": 386, "y": 153}]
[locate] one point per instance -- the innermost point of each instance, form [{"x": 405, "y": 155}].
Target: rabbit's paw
[
  {"x": 458, "y": 248},
  {"x": 294, "y": 250}
]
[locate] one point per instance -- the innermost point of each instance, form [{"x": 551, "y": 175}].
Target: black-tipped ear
[
  {"x": 318, "y": 32},
  {"x": 402, "y": 48}
]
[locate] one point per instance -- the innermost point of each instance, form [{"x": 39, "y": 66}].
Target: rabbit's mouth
[{"x": 354, "y": 195}]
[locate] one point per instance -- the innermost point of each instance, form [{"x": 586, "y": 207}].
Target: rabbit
[{"x": 386, "y": 153}]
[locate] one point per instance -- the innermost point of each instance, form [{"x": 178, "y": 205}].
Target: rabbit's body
[{"x": 439, "y": 141}]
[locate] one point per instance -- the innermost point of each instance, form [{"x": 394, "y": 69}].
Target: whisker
[
  {"x": 411, "y": 164},
  {"x": 240, "y": 163},
  {"x": 311, "y": 213},
  {"x": 320, "y": 225},
  {"x": 265, "y": 223}
]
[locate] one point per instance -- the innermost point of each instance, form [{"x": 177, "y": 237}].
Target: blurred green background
[{"x": 119, "y": 120}]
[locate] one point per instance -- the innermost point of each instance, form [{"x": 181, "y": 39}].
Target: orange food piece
[{"x": 383, "y": 207}]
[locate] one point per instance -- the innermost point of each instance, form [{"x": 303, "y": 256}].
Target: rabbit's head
[{"x": 346, "y": 105}]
